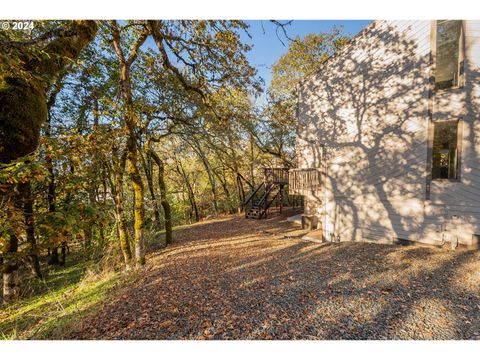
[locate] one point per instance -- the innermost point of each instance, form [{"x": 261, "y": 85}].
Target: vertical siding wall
[{"x": 368, "y": 107}]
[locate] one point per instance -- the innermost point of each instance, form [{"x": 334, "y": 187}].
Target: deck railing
[
  {"x": 303, "y": 180},
  {"x": 276, "y": 175}
]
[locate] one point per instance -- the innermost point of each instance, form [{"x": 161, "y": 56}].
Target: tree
[
  {"x": 27, "y": 68},
  {"x": 22, "y": 97},
  {"x": 176, "y": 119},
  {"x": 304, "y": 57},
  {"x": 130, "y": 122},
  {"x": 276, "y": 134},
  {"x": 167, "y": 213}
]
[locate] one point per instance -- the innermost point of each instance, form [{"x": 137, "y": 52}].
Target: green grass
[{"x": 49, "y": 307}]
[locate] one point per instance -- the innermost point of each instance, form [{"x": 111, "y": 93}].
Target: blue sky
[{"x": 267, "y": 48}]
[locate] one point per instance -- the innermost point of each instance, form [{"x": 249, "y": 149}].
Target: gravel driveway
[{"x": 247, "y": 279}]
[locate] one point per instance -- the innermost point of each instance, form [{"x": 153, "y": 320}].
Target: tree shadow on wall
[{"x": 369, "y": 109}]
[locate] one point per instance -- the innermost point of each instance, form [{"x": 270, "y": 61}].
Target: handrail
[
  {"x": 268, "y": 205},
  {"x": 252, "y": 194},
  {"x": 276, "y": 175}
]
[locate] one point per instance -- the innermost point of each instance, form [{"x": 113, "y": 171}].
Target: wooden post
[
  {"x": 265, "y": 203},
  {"x": 281, "y": 198}
]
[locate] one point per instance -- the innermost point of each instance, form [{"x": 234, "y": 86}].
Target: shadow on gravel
[
  {"x": 249, "y": 282},
  {"x": 424, "y": 305}
]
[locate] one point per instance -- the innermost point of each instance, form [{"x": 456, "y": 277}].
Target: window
[
  {"x": 449, "y": 67},
  {"x": 444, "y": 152}
]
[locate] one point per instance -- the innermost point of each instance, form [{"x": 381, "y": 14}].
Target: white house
[{"x": 388, "y": 136}]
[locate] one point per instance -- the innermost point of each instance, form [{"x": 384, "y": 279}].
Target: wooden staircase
[
  {"x": 261, "y": 198},
  {"x": 261, "y": 205}
]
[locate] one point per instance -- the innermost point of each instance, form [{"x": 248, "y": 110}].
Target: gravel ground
[{"x": 235, "y": 278}]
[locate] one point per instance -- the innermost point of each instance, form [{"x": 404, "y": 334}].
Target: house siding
[{"x": 364, "y": 120}]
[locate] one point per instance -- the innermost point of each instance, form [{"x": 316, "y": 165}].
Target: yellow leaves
[
  {"x": 23, "y": 170},
  {"x": 227, "y": 40},
  {"x": 226, "y": 36},
  {"x": 304, "y": 56}
]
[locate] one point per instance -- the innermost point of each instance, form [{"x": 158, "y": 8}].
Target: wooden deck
[
  {"x": 303, "y": 180},
  {"x": 276, "y": 175}
]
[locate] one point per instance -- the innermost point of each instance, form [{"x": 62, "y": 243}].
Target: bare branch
[{"x": 280, "y": 25}]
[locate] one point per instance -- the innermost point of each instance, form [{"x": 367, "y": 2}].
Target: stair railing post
[
  {"x": 265, "y": 201},
  {"x": 281, "y": 198}
]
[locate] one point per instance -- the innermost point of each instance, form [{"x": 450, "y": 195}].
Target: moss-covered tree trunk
[
  {"x": 23, "y": 105},
  {"x": 117, "y": 190},
  {"x": 139, "y": 205},
  {"x": 130, "y": 121},
  {"x": 121, "y": 225},
  {"x": 167, "y": 213}
]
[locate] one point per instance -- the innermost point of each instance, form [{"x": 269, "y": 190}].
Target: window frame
[
  {"x": 461, "y": 58},
  {"x": 459, "y": 150}
]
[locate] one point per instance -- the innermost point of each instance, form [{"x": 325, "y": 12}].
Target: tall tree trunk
[
  {"x": 88, "y": 229},
  {"x": 211, "y": 179},
  {"x": 139, "y": 206},
  {"x": 55, "y": 259},
  {"x": 53, "y": 254},
  {"x": 165, "y": 204},
  {"x": 241, "y": 192},
  {"x": 11, "y": 284},
  {"x": 130, "y": 124},
  {"x": 163, "y": 198},
  {"x": 191, "y": 193},
  {"x": 93, "y": 188},
  {"x": 26, "y": 191},
  {"x": 148, "y": 170},
  {"x": 104, "y": 201},
  {"x": 117, "y": 190},
  {"x": 223, "y": 182},
  {"x": 252, "y": 159}
]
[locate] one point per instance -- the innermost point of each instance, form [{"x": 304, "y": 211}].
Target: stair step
[{"x": 258, "y": 210}]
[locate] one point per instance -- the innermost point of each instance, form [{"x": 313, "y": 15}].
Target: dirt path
[{"x": 235, "y": 278}]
